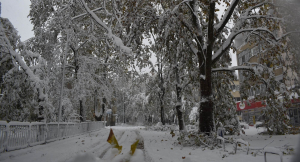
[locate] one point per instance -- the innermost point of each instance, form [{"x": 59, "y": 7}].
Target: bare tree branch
[
  {"x": 248, "y": 68},
  {"x": 97, "y": 9},
  {"x": 219, "y": 27}
]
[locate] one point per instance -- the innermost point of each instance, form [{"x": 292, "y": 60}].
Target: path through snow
[{"x": 154, "y": 146}]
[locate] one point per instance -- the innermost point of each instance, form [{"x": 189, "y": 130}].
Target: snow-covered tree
[
  {"x": 24, "y": 79},
  {"x": 210, "y": 38},
  {"x": 91, "y": 51},
  {"x": 88, "y": 46}
]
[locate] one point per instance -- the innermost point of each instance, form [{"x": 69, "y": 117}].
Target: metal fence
[{"x": 17, "y": 135}]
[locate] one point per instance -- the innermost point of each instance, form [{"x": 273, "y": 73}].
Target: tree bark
[
  {"x": 103, "y": 108},
  {"x": 206, "y": 105},
  {"x": 180, "y": 117},
  {"x": 97, "y": 118},
  {"x": 75, "y": 51},
  {"x": 161, "y": 93},
  {"x": 206, "y": 110},
  {"x": 178, "y": 96},
  {"x": 162, "y": 111},
  {"x": 81, "y": 111}
]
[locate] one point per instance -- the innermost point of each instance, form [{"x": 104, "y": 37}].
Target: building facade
[{"x": 251, "y": 111}]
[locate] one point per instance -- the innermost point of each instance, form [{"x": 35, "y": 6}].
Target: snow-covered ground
[
  {"x": 161, "y": 147},
  {"x": 154, "y": 146}
]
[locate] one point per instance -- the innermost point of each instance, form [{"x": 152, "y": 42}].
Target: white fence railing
[{"x": 17, "y": 135}]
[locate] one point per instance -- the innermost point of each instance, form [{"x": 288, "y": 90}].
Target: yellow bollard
[
  {"x": 133, "y": 147},
  {"x": 113, "y": 141}
]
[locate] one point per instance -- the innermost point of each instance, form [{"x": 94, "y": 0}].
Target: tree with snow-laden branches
[
  {"x": 210, "y": 38},
  {"x": 88, "y": 53},
  {"x": 91, "y": 48},
  {"x": 24, "y": 79}
]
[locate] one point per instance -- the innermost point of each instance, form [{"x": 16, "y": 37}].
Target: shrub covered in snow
[{"x": 160, "y": 127}]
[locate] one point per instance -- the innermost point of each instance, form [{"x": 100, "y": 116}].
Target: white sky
[{"x": 17, "y": 11}]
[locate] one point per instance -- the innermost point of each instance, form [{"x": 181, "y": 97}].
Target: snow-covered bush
[
  {"x": 225, "y": 107},
  {"x": 24, "y": 81},
  {"x": 193, "y": 138},
  {"x": 160, "y": 127}
]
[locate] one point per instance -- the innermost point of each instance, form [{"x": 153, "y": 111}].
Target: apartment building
[
  {"x": 251, "y": 111},
  {"x": 235, "y": 90}
]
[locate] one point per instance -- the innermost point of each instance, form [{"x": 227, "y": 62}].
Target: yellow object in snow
[
  {"x": 113, "y": 141},
  {"x": 133, "y": 147}
]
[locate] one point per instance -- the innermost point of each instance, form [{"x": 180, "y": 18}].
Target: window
[
  {"x": 291, "y": 113},
  {"x": 240, "y": 61},
  {"x": 241, "y": 76},
  {"x": 254, "y": 51},
  {"x": 257, "y": 90},
  {"x": 233, "y": 87},
  {"x": 243, "y": 58},
  {"x": 263, "y": 88},
  {"x": 246, "y": 57}
]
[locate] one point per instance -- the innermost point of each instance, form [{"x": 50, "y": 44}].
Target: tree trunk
[
  {"x": 162, "y": 111},
  {"x": 206, "y": 105},
  {"x": 97, "y": 118},
  {"x": 75, "y": 51},
  {"x": 81, "y": 110},
  {"x": 180, "y": 117},
  {"x": 103, "y": 109},
  {"x": 206, "y": 113},
  {"x": 41, "y": 114},
  {"x": 179, "y": 110},
  {"x": 178, "y": 96}
]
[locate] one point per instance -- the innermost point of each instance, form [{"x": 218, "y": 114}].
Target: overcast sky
[{"x": 17, "y": 11}]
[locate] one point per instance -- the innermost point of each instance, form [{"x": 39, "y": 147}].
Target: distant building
[
  {"x": 235, "y": 92},
  {"x": 251, "y": 111}
]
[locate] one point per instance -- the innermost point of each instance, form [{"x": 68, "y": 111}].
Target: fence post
[
  {"x": 45, "y": 132},
  {"x": 58, "y": 131},
  {"x": 29, "y": 139},
  {"x": 67, "y": 129},
  {"x": 6, "y": 136},
  {"x": 29, "y": 134}
]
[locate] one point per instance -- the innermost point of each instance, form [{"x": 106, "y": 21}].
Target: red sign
[
  {"x": 245, "y": 106},
  {"x": 252, "y": 105},
  {"x": 295, "y": 100}
]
